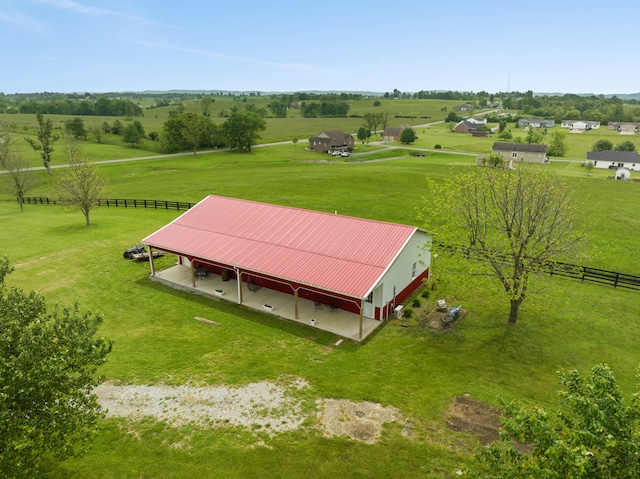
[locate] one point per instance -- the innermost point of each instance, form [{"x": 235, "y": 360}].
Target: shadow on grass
[{"x": 293, "y": 328}]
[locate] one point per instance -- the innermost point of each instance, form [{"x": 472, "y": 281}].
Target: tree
[
  {"x": 502, "y": 125},
  {"x": 384, "y": 120},
  {"x": 589, "y": 166},
  {"x": 81, "y": 185},
  {"x": 534, "y": 136},
  {"x": 452, "y": 117},
  {"x": 408, "y": 136},
  {"x": 507, "y": 224},
  {"x": 593, "y": 434},
  {"x": 117, "y": 128},
  {"x": 193, "y": 129},
  {"x": 131, "y": 135},
  {"x": 241, "y": 130},
  {"x": 279, "y": 107},
  {"x": 19, "y": 178},
  {"x": 48, "y": 364},
  {"x": 75, "y": 128},
  {"x": 626, "y": 146},
  {"x": 96, "y": 133},
  {"x": 602, "y": 145},
  {"x": 363, "y": 133},
  {"x": 558, "y": 146},
  {"x": 493, "y": 160},
  {"x": 44, "y": 140},
  {"x": 105, "y": 127},
  {"x": 371, "y": 121},
  {"x": 206, "y": 104}
]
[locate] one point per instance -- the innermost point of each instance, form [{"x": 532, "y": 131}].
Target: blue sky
[{"x": 350, "y": 45}]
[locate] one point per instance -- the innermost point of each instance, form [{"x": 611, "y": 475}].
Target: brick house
[{"x": 331, "y": 140}]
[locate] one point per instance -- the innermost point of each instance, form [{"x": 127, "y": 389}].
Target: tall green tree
[
  {"x": 279, "y": 107},
  {"x": 75, "y": 128},
  {"x": 81, "y": 185},
  {"x": 193, "y": 130},
  {"x": 408, "y": 136},
  {"x": 534, "y": 136},
  {"x": 131, "y": 135},
  {"x": 602, "y": 145},
  {"x": 595, "y": 433},
  {"x": 371, "y": 121},
  {"x": 363, "y": 134},
  {"x": 242, "y": 129},
  {"x": 505, "y": 224},
  {"x": 48, "y": 364},
  {"x": 205, "y": 104},
  {"x": 558, "y": 146},
  {"x": 44, "y": 140},
  {"x": 626, "y": 146}
]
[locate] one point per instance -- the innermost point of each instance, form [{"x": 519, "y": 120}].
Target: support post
[
  {"x": 151, "y": 264},
  {"x": 193, "y": 274},
  {"x": 239, "y": 281},
  {"x": 361, "y": 309},
  {"x": 295, "y": 303}
]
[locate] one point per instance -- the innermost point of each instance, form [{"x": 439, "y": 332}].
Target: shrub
[
  {"x": 408, "y": 312},
  {"x": 415, "y": 303},
  {"x": 438, "y": 146},
  {"x": 425, "y": 294}
]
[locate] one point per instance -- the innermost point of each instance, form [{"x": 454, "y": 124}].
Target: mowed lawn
[{"x": 567, "y": 325}]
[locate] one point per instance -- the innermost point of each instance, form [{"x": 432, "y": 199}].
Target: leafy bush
[
  {"x": 408, "y": 312},
  {"x": 438, "y": 146},
  {"x": 416, "y": 303},
  {"x": 425, "y": 293}
]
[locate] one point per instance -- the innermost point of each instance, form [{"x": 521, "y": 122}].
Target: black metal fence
[
  {"x": 583, "y": 273},
  {"x": 122, "y": 203},
  {"x": 595, "y": 275}
]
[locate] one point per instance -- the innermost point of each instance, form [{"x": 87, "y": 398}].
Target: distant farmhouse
[
  {"x": 520, "y": 152},
  {"x": 580, "y": 125},
  {"x": 469, "y": 125},
  {"x": 393, "y": 133},
  {"x": 624, "y": 127},
  {"x": 536, "y": 123},
  {"x": 463, "y": 107},
  {"x": 615, "y": 159},
  {"x": 331, "y": 140}
]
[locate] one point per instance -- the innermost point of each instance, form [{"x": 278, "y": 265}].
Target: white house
[
  {"x": 580, "y": 125},
  {"x": 615, "y": 159}
]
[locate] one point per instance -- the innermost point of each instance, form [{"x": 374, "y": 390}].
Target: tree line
[{"x": 101, "y": 106}]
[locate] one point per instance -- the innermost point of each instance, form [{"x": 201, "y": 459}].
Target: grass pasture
[{"x": 570, "y": 325}]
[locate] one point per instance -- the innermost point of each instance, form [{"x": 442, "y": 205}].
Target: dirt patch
[
  {"x": 467, "y": 415},
  {"x": 264, "y": 406},
  {"x": 435, "y": 318},
  {"x": 362, "y": 421}
]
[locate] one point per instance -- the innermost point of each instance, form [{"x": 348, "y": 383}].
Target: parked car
[{"x": 345, "y": 153}]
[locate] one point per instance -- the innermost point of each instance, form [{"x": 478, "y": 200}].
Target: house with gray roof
[
  {"x": 393, "y": 133},
  {"x": 331, "y": 140},
  {"x": 520, "y": 152},
  {"x": 536, "y": 122},
  {"x": 615, "y": 159}
]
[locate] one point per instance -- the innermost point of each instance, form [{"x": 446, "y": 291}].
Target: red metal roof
[{"x": 327, "y": 251}]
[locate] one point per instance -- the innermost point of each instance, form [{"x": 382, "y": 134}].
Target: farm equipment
[
  {"x": 137, "y": 249},
  {"x": 452, "y": 314}
]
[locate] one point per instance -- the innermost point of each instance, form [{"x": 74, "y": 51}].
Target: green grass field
[{"x": 568, "y": 325}]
